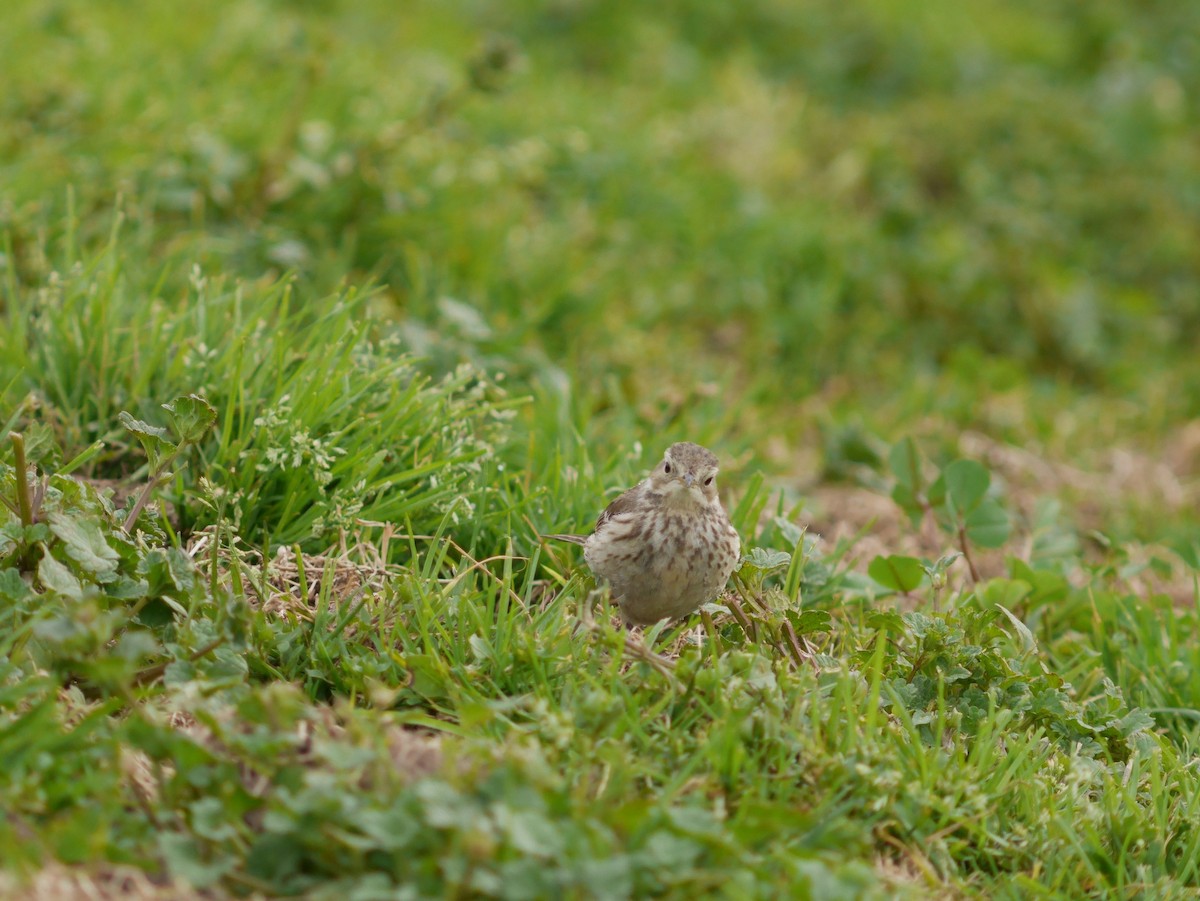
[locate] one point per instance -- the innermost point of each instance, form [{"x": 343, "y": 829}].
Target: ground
[{"x": 317, "y": 316}]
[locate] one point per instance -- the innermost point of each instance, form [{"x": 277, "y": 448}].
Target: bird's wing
[{"x": 623, "y": 504}]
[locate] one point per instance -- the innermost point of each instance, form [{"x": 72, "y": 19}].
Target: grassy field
[{"x": 317, "y": 314}]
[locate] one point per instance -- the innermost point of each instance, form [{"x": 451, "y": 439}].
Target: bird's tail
[{"x": 574, "y": 539}]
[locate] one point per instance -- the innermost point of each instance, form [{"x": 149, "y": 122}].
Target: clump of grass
[{"x": 323, "y": 418}]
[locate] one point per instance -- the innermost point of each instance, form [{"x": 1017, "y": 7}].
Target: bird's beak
[{"x": 688, "y": 479}]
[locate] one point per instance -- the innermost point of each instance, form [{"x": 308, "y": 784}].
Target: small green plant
[
  {"x": 956, "y": 500},
  {"x": 88, "y": 600},
  {"x": 191, "y": 419}
]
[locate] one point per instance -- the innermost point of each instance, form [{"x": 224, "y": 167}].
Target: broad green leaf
[
  {"x": 671, "y": 851},
  {"x": 885, "y": 621},
  {"x": 767, "y": 559},
  {"x": 810, "y": 621},
  {"x": 918, "y": 623},
  {"x": 61, "y": 629},
  {"x": 988, "y": 525},
  {"x": 191, "y": 417},
  {"x": 168, "y": 571},
  {"x": 210, "y": 820},
  {"x": 966, "y": 483},
  {"x": 792, "y": 533},
  {"x": 907, "y": 501},
  {"x": 1136, "y": 720},
  {"x": 154, "y": 440},
  {"x": 529, "y": 831},
  {"x": 84, "y": 542},
  {"x": 127, "y": 589},
  {"x": 1004, "y": 592},
  {"x": 12, "y": 586},
  {"x": 41, "y": 448},
  {"x": 136, "y": 645},
  {"x": 1048, "y": 586},
  {"x": 273, "y": 857},
  {"x": 57, "y": 578},
  {"x": 896, "y": 572},
  {"x": 26, "y": 535},
  {"x": 187, "y": 862},
  {"x": 156, "y": 613},
  {"x": 905, "y": 463},
  {"x": 936, "y": 495}
]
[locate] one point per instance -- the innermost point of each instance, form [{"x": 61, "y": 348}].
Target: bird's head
[{"x": 687, "y": 475}]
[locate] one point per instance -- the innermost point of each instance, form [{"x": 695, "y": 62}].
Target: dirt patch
[
  {"x": 874, "y": 525},
  {"x": 914, "y": 873},
  {"x": 62, "y": 883},
  {"x": 873, "y": 522},
  {"x": 1167, "y": 481},
  {"x": 416, "y": 753}
]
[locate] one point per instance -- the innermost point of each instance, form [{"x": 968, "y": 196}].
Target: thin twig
[
  {"x": 740, "y": 615},
  {"x": 962, "y": 544},
  {"x": 800, "y": 654},
  {"x": 635, "y": 646},
  {"x": 481, "y": 567},
  {"x": 140, "y": 503},
  {"x": 153, "y": 672}
]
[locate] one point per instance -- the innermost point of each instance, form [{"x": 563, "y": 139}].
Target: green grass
[{"x": 450, "y": 276}]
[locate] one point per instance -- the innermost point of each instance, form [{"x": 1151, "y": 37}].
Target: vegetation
[{"x": 316, "y": 315}]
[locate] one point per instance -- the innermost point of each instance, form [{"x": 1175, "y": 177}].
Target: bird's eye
[
  {"x": 708, "y": 481},
  {"x": 667, "y": 468}
]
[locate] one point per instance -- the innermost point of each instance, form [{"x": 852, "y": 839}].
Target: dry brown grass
[
  {"x": 292, "y": 583},
  {"x": 58, "y": 882}
]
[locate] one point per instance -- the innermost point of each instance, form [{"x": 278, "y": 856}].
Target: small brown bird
[{"x": 666, "y": 545}]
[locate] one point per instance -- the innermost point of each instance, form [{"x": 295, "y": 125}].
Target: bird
[{"x": 665, "y": 546}]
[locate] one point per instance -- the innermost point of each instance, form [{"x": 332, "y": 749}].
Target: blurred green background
[{"x": 792, "y": 227}]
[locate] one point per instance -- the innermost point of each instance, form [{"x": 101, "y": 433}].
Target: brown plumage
[{"x": 666, "y": 545}]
